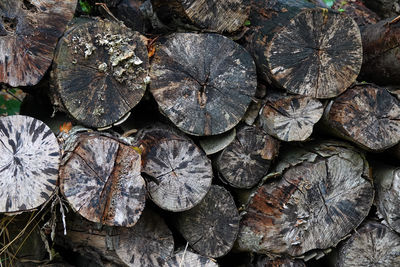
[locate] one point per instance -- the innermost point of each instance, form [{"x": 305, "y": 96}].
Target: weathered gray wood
[
  {"x": 202, "y": 82},
  {"x": 324, "y": 192},
  {"x": 189, "y": 259},
  {"x": 29, "y": 162},
  {"x": 264, "y": 261},
  {"x": 29, "y": 31},
  {"x": 215, "y": 143},
  {"x": 211, "y": 227}
]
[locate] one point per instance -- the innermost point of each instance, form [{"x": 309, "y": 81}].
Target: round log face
[
  {"x": 317, "y": 54},
  {"x": 100, "y": 71},
  {"x": 202, "y": 82},
  {"x": 29, "y": 162},
  {"x": 101, "y": 181},
  {"x": 29, "y": 31},
  {"x": 189, "y": 259}
]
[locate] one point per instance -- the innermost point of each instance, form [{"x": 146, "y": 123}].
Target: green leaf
[
  {"x": 85, "y": 6},
  {"x": 247, "y": 23},
  {"x": 341, "y": 10},
  {"x": 9, "y": 105},
  {"x": 329, "y": 3}
]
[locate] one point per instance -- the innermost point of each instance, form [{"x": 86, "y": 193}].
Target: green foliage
[
  {"x": 10, "y": 101},
  {"x": 85, "y": 6},
  {"x": 329, "y": 3},
  {"x": 247, "y": 23}
]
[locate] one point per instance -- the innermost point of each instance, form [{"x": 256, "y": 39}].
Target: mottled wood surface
[
  {"x": 202, "y": 82},
  {"x": 211, "y": 227},
  {"x": 366, "y": 115},
  {"x": 101, "y": 180},
  {"x": 373, "y": 244},
  {"x": 323, "y": 194},
  {"x": 384, "y": 8},
  {"x": 264, "y": 261},
  {"x": 100, "y": 71},
  {"x": 130, "y": 12},
  {"x": 247, "y": 159},
  {"x": 29, "y": 31},
  {"x": 29, "y": 162},
  {"x": 189, "y": 259},
  {"x": 357, "y": 10}
]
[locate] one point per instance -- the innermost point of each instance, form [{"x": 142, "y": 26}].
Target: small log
[
  {"x": 357, "y": 10},
  {"x": 324, "y": 192},
  {"x": 202, "y": 82},
  {"x": 100, "y": 71},
  {"x": 29, "y": 31},
  {"x": 384, "y": 8},
  {"x": 130, "y": 12},
  {"x": 211, "y": 227},
  {"x": 367, "y": 115},
  {"x": 247, "y": 159},
  {"x": 264, "y": 261},
  {"x": 189, "y": 259},
  {"x": 304, "y": 49},
  {"x": 215, "y": 15},
  {"x": 181, "y": 172},
  {"x": 290, "y": 118},
  {"x": 373, "y": 244},
  {"x": 100, "y": 178},
  {"x": 29, "y": 162}
]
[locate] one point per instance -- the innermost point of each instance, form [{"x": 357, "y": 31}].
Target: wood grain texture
[
  {"x": 101, "y": 180},
  {"x": 29, "y": 31},
  {"x": 357, "y": 10},
  {"x": 211, "y": 227},
  {"x": 189, "y": 259},
  {"x": 29, "y": 162},
  {"x": 202, "y": 82},
  {"x": 100, "y": 71},
  {"x": 264, "y": 261},
  {"x": 323, "y": 194}
]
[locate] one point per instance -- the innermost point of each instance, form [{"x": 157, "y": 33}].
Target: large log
[
  {"x": 306, "y": 50},
  {"x": 29, "y": 31},
  {"x": 202, "y": 82},
  {"x": 324, "y": 192}
]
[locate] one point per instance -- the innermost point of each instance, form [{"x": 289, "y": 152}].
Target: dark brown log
[
  {"x": 100, "y": 71},
  {"x": 264, "y": 261},
  {"x": 357, "y": 10},
  {"x": 247, "y": 159},
  {"x": 202, "y": 82},
  {"x": 384, "y": 8},
  {"x": 130, "y": 12},
  {"x": 373, "y": 244},
  {"x": 367, "y": 115},
  {"x": 290, "y": 118},
  {"x": 29, "y": 31},
  {"x": 100, "y": 178},
  {"x": 381, "y": 60},
  {"x": 212, "y": 15},
  {"x": 324, "y": 192},
  {"x": 29, "y": 162},
  {"x": 211, "y": 227},
  {"x": 189, "y": 259},
  {"x": 181, "y": 172},
  {"x": 305, "y": 50}
]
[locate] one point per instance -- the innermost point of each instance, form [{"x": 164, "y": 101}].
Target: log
[
  {"x": 290, "y": 118},
  {"x": 303, "y": 49},
  {"x": 366, "y": 115},
  {"x": 247, "y": 159},
  {"x": 357, "y": 10},
  {"x": 384, "y": 8},
  {"x": 100, "y": 71},
  {"x": 131, "y": 13},
  {"x": 264, "y": 261},
  {"x": 100, "y": 178},
  {"x": 372, "y": 245},
  {"x": 188, "y": 259},
  {"x": 211, "y": 227},
  {"x": 324, "y": 192},
  {"x": 202, "y": 82},
  {"x": 381, "y": 63},
  {"x": 215, "y": 15},
  {"x": 180, "y": 172},
  {"x": 29, "y": 162},
  {"x": 29, "y": 31}
]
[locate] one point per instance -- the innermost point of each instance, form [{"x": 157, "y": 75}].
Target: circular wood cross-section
[
  {"x": 202, "y": 82},
  {"x": 101, "y": 181},
  {"x": 100, "y": 71},
  {"x": 29, "y": 162},
  {"x": 189, "y": 259}
]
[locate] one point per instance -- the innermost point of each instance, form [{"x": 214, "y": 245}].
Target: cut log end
[{"x": 189, "y": 259}]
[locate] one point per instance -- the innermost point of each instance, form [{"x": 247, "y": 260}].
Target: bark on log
[
  {"x": 181, "y": 172},
  {"x": 247, "y": 159},
  {"x": 367, "y": 115},
  {"x": 29, "y": 162},
  {"x": 211, "y": 227},
  {"x": 290, "y": 118},
  {"x": 100, "y": 178},
  {"x": 381, "y": 61},
  {"x": 264, "y": 261},
  {"x": 306, "y": 50},
  {"x": 189, "y": 259},
  {"x": 384, "y": 8},
  {"x": 372, "y": 245},
  {"x": 357, "y": 10},
  {"x": 202, "y": 82},
  {"x": 130, "y": 12},
  {"x": 100, "y": 71},
  {"x": 29, "y": 31},
  {"x": 215, "y": 15},
  {"x": 324, "y": 193}
]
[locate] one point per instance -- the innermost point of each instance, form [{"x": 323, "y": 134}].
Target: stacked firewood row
[{"x": 200, "y": 133}]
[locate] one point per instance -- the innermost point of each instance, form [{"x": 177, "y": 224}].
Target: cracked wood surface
[{"x": 189, "y": 259}]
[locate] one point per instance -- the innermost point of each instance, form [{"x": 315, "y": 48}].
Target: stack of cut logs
[{"x": 200, "y": 133}]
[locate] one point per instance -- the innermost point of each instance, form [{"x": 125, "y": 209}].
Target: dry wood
[
  {"x": 384, "y": 8},
  {"x": 357, "y": 10},
  {"x": 186, "y": 258},
  {"x": 130, "y": 12},
  {"x": 29, "y": 162},
  {"x": 264, "y": 261},
  {"x": 324, "y": 192},
  {"x": 202, "y": 82}
]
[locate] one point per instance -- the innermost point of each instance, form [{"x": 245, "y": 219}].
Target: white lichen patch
[
  {"x": 102, "y": 67},
  {"x": 89, "y": 48}
]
